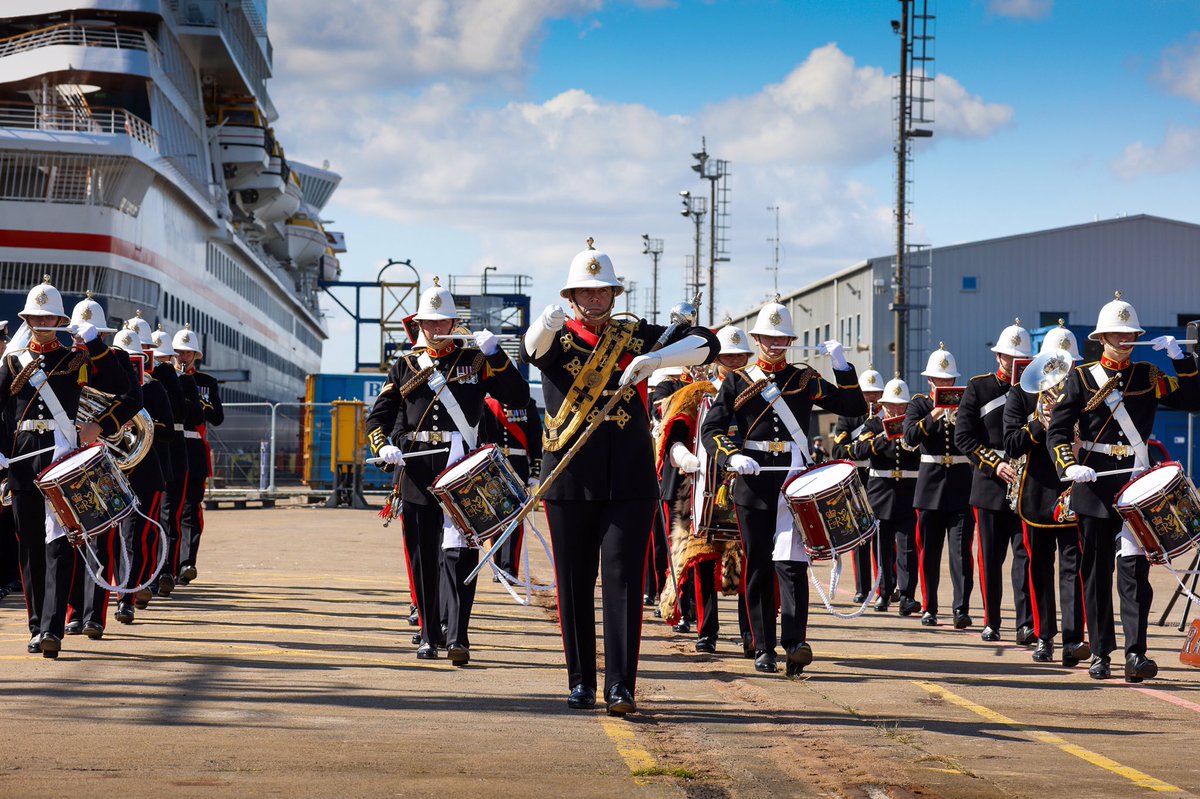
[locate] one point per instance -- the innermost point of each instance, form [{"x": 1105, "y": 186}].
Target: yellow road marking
[
  {"x": 636, "y": 758},
  {"x": 1138, "y": 778}
]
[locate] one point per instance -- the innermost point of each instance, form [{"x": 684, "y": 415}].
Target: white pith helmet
[
  {"x": 941, "y": 363},
  {"x": 43, "y": 300},
  {"x": 1061, "y": 338},
  {"x": 90, "y": 312},
  {"x": 1117, "y": 316},
  {"x": 896, "y": 392},
  {"x": 437, "y": 304},
  {"x": 591, "y": 269},
  {"x": 773, "y": 319},
  {"x": 162, "y": 343},
  {"x": 734, "y": 340},
  {"x": 129, "y": 341},
  {"x": 1014, "y": 340},
  {"x": 870, "y": 380},
  {"x": 142, "y": 328},
  {"x": 663, "y": 373},
  {"x": 186, "y": 340}
]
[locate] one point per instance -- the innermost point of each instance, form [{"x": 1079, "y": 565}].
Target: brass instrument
[
  {"x": 1045, "y": 376},
  {"x": 131, "y": 443}
]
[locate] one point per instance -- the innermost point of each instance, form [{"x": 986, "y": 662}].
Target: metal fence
[{"x": 261, "y": 445}]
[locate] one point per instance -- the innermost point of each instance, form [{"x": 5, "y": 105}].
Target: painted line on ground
[
  {"x": 1167, "y": 697},
  {"x": 1141, "y": 779},
  {"x": 636, "y": 758}
]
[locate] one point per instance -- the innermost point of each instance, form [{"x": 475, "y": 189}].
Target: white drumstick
[
  {"x": 407, "y": 455},
  {"x": 1149, "y": 343},
  {"x": 1109, "y": 473},
  {"x": 31, "y": 454}
]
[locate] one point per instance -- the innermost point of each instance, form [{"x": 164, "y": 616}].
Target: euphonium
[{"x": 129, "y": 444}]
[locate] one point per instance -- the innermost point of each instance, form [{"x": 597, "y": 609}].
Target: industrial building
[{"x": 965, "y": 294}]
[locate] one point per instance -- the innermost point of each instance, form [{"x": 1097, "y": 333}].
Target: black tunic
[
  {"x": 1040, "y": 486},
  {"x": 939, "y": 487},
  {"x": 980, "y": 435},
  {"x": 891, "y": 497}
]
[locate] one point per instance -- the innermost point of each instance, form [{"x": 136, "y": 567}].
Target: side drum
[
  {"x": 480, "y": 494},
  {"x": 830, "y": 508},
  {"x": 1162, "y": 509},
  {"x": 88, "y": 494},
  {"x": 713, "y": 522}
]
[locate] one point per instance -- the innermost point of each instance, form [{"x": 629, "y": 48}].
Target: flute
[{"x": 1150, "y": 343}]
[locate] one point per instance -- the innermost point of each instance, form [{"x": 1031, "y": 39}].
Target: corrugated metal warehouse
[{"x": 967, "y": 293}]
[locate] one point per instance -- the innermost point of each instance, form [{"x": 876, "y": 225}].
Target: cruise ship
[{"x": 138, "y": 161}]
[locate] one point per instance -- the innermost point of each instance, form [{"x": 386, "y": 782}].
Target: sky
[{"x": 473, "y": 133}]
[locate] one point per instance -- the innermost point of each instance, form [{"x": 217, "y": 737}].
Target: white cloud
[
  {"x": 1179, "y": 151},
  {"x": 1021, "y": 9},
  {"x": 1179, "y": 69}
]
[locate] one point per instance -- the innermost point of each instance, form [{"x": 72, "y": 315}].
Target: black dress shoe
[
  {"x": 1139, "y": 667},
  {"x": 1044, "y": 651},
  {"x": 860, "y": 597},
  {"x": 427, "y": 652},
  {"x": 1100, "y": 668},
  {"x": 895, "y": 595},
  {"x": 799, "y": 656},
  {"x": 682, "y": 627},
  {"x": 620, "y": 700},
  {"x": 706, "y": 645},
  {"x": 881, "y": 605},
  {"x": 166, "y": 584},
  {"x": 765, "y": 662},
  {"x": 748, "y": 648},
  {"x": 187, "y": 574},
  {"x": 1026, "y": 635},
  {"x": 1074, "y": 654},
  {"x": 459, "y": 655},
  {"x": 51, "y": 645},
  {"x": 35, "y": 644},
  {"x": 929, "y": 619},
  {"x": 141, "y": 600},
  {"x": 909, "y": 606},
  {"x": 648, "y": 601},
  {"x": 582, "y": 697},
  {"x": 989, "y": 634},
  {"x": 962, "y": 621},
  {"x": 416, "y": 639},
  {"x": 74, "y": 627},
  {"x": 414, "y": 618},
  {"x": 124, "y": 612},
  {"x": 93, "y": 630}
]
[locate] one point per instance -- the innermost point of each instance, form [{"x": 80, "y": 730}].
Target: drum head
[
  {"x": 73, "y": 462},
  {"x": 818, "y": 479},
  {"x": 1149, "y": 484},
  {"x": 465, "y": 466}
]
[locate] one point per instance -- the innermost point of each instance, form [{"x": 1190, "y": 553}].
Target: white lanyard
[
  {"x": 40, "y": 382},
  {"x": 774, "y": 398},
  {"x": 437, "y": 382},
  {"x": 1141, "y": 455}
]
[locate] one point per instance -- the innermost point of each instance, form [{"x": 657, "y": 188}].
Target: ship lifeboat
[
  {"x": 331, "y": 268},
  {"x": 306, "y": 240},
  {"x": 265, "y": 195},
  {"x": 244, "y": 143}
]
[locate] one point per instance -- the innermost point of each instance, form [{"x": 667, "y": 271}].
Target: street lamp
[
  {"x": 487, "y": 269},
  {"x": 653, "y": 248},
  {"x": 696, "y": 208}
]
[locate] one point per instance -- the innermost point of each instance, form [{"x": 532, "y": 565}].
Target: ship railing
[
  {"x": 237, "y": 32},
  {"x": 101, "y": 119},
  {"x": 119, "y": 37}
]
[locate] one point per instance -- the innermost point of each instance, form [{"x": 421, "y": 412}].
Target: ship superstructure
[{"x": 138, "y": 160}]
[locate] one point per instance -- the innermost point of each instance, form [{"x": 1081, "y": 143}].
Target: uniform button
[
  {"x": 776, "y": 438},
  {"x": 435, "y": 416},
  {"x": 40, "y": 416},
  {"x": 435, "y": 427}
]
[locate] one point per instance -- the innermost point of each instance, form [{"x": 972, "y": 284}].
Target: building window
[
  {"x": 970, "y": 283},
  {"x": 858, "y": 328},
  {"x": 827, "y": 332},
  {"x": 1050, "y": 318},
  {"x": 806, "y": 338}
]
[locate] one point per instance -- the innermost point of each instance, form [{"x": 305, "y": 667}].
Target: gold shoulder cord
[{"x": 586, "y": 389}]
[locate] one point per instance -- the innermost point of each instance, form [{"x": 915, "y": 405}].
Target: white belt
[
  {"x": 1112, "y": 450},
  {"x": 863, "y": 464},
  {"x": 895, "y": 474},
  {"x": 506, "y": 451},
  {"x": 944, "y": 460},
  {"x": 37, "y": 425},
  {"x": 431, "y": 436},
  {"x": 178, "y": 427},
  {"x": 191, "y": 434},
  {"x": 769, "y": 446}
]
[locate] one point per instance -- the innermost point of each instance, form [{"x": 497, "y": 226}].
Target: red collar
[
  {"x": 1002, "y": 375},
  {"x": 49, "y": 346},
  {"x": 770, "y": 368},
  {"x": 589, "y": 333},
  {"x": 1117, "y": 366},
  {"x": 686, "y": 377},
  {"x": 441, "y": 353}
]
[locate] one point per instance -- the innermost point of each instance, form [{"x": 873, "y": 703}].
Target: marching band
[{"x": 719, "y": 460}]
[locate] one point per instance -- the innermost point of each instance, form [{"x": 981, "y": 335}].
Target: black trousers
[
  {"x": 509, "y": 557},
  {"x": 999, "y": 531},
  {"x": 423, "y": 541},
  {"x": 793, "y": 602},
  {"x": 934, "y": 528},
  {"x": 864, "y": 567},
  {"x": 659, "y": 555},
  {"x": 141, "y": 539},
  {"x": 191, "y": 519},
  {"x": 898, "y": 541},
  {"x": 46, "y": 568},
  {"x": 703, "y": 577},
  {"x": 1133, "y": 587},
  {"x": 457, "y": 597},
  {"x": 1043, "y": 543},
  {"x": 10, "y": 569},
  {"x": 763, "y": 575},
  {"x": 608, "y": 538},
  {"x": 171, "y": 516},
  {"x": 88, "y": 601}
]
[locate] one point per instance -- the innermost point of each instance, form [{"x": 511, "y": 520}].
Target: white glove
[
  {"x": 1168, "y": 343},
  {"x": 639, "y": 369},
  {"x": 1080, "y": 474},
  {"x": 833, "y": 348},
  {"x": 554, "y": 317},
  {"x": 743, "y": 464},
  {"x": 391, "y": 454},
  {"x": 682, "y": 457},
  {"x": 84, "y": 331},
  {"x": 532, "y": 483},
  {"x": 3, "y": 461},
  {"x": 488, "y": 342}
]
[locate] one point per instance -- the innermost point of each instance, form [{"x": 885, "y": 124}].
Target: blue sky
[{"x": 474, "y": 132}]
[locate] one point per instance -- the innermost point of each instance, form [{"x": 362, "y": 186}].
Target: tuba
[
  {"x": 131, "y": 443},
  {"x": 1044, "y": 376}
]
